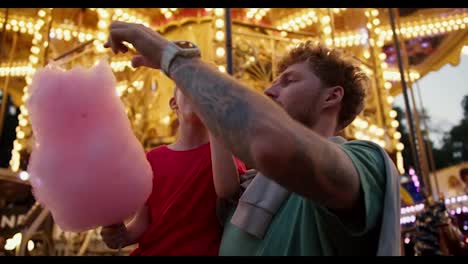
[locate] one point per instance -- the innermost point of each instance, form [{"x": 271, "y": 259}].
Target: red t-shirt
[{"x": 182, "y": 205}]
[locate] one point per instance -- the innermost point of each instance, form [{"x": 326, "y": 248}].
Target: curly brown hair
[
  {"x": 464, "y": 174},
  {"x": 333, "y": 69}
]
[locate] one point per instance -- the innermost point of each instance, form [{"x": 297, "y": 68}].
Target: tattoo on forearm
[{"x": 220, "y": 101}]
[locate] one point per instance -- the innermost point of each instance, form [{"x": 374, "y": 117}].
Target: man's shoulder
[
  {"x": 363, "y": 147},
  {"x": 367, "y": 157},
  {"x": 362, "y": 143}
]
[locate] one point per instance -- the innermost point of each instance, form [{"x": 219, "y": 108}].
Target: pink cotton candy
[{"x": 87, "y": 167}]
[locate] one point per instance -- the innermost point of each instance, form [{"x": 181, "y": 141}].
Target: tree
[
  {"x": 455, "y": 142},
  {"x": 407, "y": 158},
  {"x": 441, "y": 156},
  {"x": 454, "y": 147}
]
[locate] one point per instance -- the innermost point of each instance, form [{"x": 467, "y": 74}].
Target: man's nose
[{"x": 272, "y": 92}]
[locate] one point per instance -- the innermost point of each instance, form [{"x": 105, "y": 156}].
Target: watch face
[{"x": 185, "y": 44}]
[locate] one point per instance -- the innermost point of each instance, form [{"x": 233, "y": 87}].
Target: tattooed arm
[
  {"x": 261, "y": 133},
  {"x": 225, "y": 173},
  {"x": 257, "y": 130}
]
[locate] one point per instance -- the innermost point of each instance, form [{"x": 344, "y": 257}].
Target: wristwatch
[{"x": 178, "y": 48}]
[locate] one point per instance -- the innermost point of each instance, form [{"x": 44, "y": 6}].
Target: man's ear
[
  {"x": 334, "y": 96},
  {"x": 172, "y": 103}
]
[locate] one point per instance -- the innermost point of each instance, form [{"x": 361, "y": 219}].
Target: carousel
[{"x": 395, "y": 47}]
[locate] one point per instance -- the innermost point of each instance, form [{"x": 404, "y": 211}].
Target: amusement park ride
[{"x": 244, "y": 42}]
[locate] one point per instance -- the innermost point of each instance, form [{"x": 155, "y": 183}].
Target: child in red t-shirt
[{"x": 179, "y": 217}]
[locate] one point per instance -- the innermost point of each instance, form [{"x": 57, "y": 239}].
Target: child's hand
[{"x": 115, "y": 236}]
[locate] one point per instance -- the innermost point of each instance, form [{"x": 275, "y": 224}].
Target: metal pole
[
  {"x": 432, "y": 166},
  {"x": 376, "y": 80},
  {"x": 409, "y": 116},
  {"x": 419, "y": 137},
  {"x": 29, "y": 232},
  {"x": 228, "y": 24},
  {"x": 7, "y": 83},
  {"x": 85, "y": 244},
  {"x": 4, "y": 29},
  {"x": 46, "y": 51}
]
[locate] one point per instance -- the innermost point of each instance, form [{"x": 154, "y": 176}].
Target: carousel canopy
[{"x": 31, "y": 37}]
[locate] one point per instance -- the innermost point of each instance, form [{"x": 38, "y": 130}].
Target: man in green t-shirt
[
  {"x": 342, "y": 213},
  {"x": 313, "y": 194}
]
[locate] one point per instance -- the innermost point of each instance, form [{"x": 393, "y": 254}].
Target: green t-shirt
[{"x": 303, "y": 227}]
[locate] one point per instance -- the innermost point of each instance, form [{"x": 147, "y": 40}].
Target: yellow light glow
[
  {"x": 220, "y": 52},
  {"x": 395, "y": 123},
  {"x": 23, "y": 109},
  {"x": 382, "y": 56},
  {"x": 388, "y": 85},
  {"x": 381, "y": 143},
  {"x": 23, "y": 122},
  {"x": 358, "y": 135},
  {"x": 103, "y": 13},
  {"x": 30, "y": 245},
  {"x": 366, "y": 54},
  {"x": 13, "y": 242},
  {"x": 38, "y": 36},
  {"x": 380, "y": 132},
  {"x": 33, "y": 59},
  {"x": 102, "y": 36},
  {"x": 166, "y": 120},
  {"x": 465, "y": 50},
  {"x": 325, "y": 20},
  {"x": 400, "y": 165},
  {"x": 17, "y": 145},
  {"x": 221, "y": 68},
  {"x": 219, "y": 35},
  {"x": 400, "y": 146},
  {"x": 219, "y": 23},
  {"x": 20, "y": 134},
  {"x": 219, "y": 11},
  {"x": 102, "y": 24},
  {"x": 364, "y": 124},
  {"x": 397, "y": 135},
  {"x": 35, "y": 50}
]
